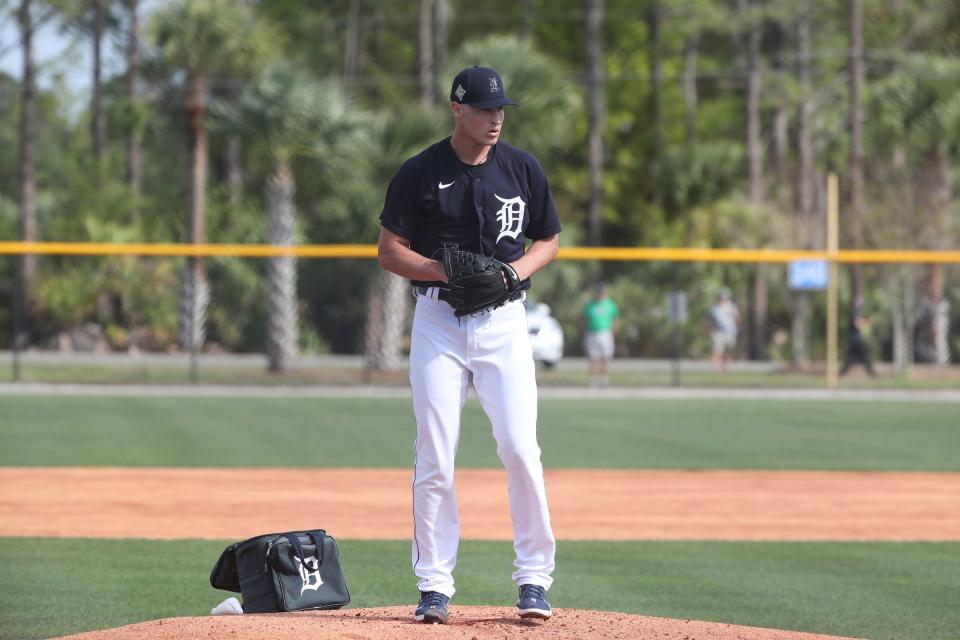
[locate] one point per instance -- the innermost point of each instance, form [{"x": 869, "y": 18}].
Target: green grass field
[
  {"x": 875, "y": 590},
  {"x": 628, "y": 434}
]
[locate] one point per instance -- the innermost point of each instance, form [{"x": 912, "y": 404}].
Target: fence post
[{"x": 833, "y": 245}]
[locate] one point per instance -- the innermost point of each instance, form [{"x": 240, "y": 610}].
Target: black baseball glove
[{"x": 476, "y": 281}]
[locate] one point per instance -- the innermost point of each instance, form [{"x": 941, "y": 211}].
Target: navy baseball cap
[{"x": 479, "y": 87}]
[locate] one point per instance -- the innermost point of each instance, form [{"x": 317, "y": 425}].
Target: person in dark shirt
[
  {"x": 858, "y": 346},
  {"x": 486, "y": 196}
]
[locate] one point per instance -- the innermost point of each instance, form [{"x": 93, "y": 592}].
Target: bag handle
[{"x": 316, "y": 537}]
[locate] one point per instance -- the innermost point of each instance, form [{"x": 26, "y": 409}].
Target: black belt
[{"x": 443, "y": 294}]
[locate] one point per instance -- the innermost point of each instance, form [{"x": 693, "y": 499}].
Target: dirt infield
[
  {"x": 170, "y": 503},
  {"x": 376, "y": 503}
]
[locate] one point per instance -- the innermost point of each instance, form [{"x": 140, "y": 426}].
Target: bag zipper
[{"x": 266, "y": 557}]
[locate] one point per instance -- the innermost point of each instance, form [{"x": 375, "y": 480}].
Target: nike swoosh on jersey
[{"x": 444, "y": 186}]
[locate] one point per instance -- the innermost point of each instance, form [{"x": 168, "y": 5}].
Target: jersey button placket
[{"x": 478, "y": 207}]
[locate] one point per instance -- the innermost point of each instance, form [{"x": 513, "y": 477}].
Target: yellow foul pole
[{"x": 833, "y": 247}]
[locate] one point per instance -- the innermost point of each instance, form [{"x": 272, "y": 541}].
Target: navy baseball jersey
[{"x": 490, "y": 208}]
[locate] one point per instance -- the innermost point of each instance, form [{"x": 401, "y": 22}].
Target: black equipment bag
[{"x": 283, "y": 572}]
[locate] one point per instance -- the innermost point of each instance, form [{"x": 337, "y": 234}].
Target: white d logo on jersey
[
  {"x": 309, "y": 574},
  {"x": 510, "y": 217}
]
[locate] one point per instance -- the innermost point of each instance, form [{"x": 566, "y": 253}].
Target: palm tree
[
  {"x": 595, "y": 117},
  {"x": 98, "y": 124},
  {"x": 199, "y": 38},
  {"x": 857, "y": 75},
  {"x": 750, "y": 16},
  {"x": 804, "y": 183},
  {"x": 653, "y": 19},
  {"x": 292, "y": 114},
  {"x": 135, "y": 142}
]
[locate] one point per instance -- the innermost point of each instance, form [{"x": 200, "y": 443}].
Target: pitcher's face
[{"x": 481, "y": 126}]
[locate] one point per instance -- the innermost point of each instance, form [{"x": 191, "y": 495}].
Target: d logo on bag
[{"x": 309, "y": 573}]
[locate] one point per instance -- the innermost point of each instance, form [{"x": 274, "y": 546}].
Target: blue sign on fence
[{"x": 807, "y": 275}]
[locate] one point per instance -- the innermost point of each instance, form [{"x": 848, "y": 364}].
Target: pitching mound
[{"x": 466, "y": 623}]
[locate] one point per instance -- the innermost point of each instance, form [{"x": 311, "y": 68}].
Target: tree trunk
[
  {"x": 941, "y": 317},
  {"x": 903, "y": 283},
  {"x": 690, "y": 44},
  {"x": 28, "y": 187},
  {"x": 196, "y": 295},
  {"x": 283, "y": 331},
  {"x": 351, "y": 53},
  {"x": 758, "y": 307},
  {"x": 194, "y": 301},
  {"x": 375, "y": 326},
  {"x": 856, "y": 145},
  {"x": 135, "y": 143},
  {"x": 904, "y": 317},
  {"x": 938, "y": 189},
  {"x": 526, "y": 32},
  {"x": 595, "y": 118},
  {"x": 781, "y": 120},
  {"x": 235, "y": 169},
  {"x": 802, "y": 310},
  {"x": 426, "y": 54},
  {"x": 758, "y": 314},
  {"x": 754, "y": 145},
  {"x": 805, "y": 220},
  {"x": 933, "y": 337},
  {"x": 652, "y": 18},
  {"x": 805, "y": 185},
  {"x": 197, "y": 133},
  {"x": 781, "y": 146},
  {"x": 899, "y": 326},
  {"x": 98, "y": 123},
  {"x": 441, "y": 34},
  {"x": 387, "y": 311}
]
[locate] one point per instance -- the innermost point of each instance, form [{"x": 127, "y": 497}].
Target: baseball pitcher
[{"x": 456, "y": 221}]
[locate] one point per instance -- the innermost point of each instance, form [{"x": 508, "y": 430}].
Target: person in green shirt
[{"x": 600, "y": 316}]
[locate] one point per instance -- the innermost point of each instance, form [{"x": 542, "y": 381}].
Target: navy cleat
[
  {"x": 533, "y": 602},
  {"x": 432, "y": 608}
]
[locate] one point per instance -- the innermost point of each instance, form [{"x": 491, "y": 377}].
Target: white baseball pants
[{"x": 491, "y": 350}]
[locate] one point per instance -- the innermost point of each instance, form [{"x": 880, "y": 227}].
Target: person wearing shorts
[
  {"x": 600, "y": 315},
  {"x": 724, "y": 325}
]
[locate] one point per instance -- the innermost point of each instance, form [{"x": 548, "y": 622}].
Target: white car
[{"x": 546, "y": 334}]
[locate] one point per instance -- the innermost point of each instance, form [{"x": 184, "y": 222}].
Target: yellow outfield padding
[
  {"x": 366, "y": 251},
  {"x": 171, "y": 249}
]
